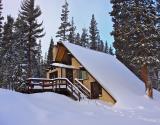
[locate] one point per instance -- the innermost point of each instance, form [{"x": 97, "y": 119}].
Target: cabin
[
  {"x": 97, "y": 75},
  {"x": 67, "y": 65},
  {"x": 80, "y": 73}
]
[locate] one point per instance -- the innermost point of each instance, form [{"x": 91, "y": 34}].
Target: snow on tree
[
  {"x": 7, "y": 58},
  {"x": 93, "y": 33},
  {"x": 71, "y": 36},
  {"x": 100, "y": 44},
  {"x": 30, "y": 13},
  {"x": 1, "y": 19},
  {"x": 50, "y": 53},
  {"x": 106, "y": 49},
  {"x": 20, "y": 47},
  {"x": 135, "y": 33},
  {"x": 84, "y": 38},
  {"x": 122, "y": 24},
  {"x": 1, "y": 33},
  {"x": 158, "y": 27},
  {"x": 78, "y": 40},
  {"x": 110, "y": 51},
  {"x": 64, "y": 28}
]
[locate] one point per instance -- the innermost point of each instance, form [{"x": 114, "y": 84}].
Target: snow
[
  {"x": 118, "y": 80},
  {"x": 54, "y": 109},
  {"x": 63, "y": 65}
]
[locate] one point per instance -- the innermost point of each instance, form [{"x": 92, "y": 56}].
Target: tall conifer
[
  {"x": 93, "y": 33},
  {"x": 64, "y": 28},
  {"x": 30, "y": 13}
]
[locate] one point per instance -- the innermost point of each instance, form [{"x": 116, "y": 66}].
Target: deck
[{"x": 57, "y": 85}]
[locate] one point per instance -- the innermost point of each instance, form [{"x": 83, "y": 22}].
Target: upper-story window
[{"x": 82, "y": 74}]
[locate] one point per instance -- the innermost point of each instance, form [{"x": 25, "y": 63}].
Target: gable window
[{"x": 82, "y": 74}]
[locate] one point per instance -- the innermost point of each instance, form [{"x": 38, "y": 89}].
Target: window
[{"x": 82, "y": 74}]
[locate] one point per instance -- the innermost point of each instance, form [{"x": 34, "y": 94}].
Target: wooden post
[
  {"x": 43, "y": 85},
  {"x": 52, "y": 85}
]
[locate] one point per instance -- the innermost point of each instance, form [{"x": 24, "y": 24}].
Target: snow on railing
[
  {"x": 41, "y": 82},
  {"x": 83, "y": 88}
]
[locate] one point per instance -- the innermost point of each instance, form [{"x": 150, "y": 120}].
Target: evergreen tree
[
  {"x": 29, "y": 14},
  {"x": 1, "y": 19},
  {"x": 64, "y": 28},
  {"x": 1, "y": 27},
  {"x": 7, "y": 58},
  {"x": 158, "y": 27},
  {"x": 100, "y": 45},
  {"x": 93, "y": 33},
  {"x": 121, "y": 26},
  {"x": 71, "y": 36},
  {"x": 134, "y": 33},
  {"x": 110, "y": 51},
  {"x": 78, "y": 40},
  {"x": 50, "y": 53},
  {"x": 20, "y": 56},
  {"x": 84, "y": 38},
  {"x": 106, "y": 49},
  {"x": 143, "y": 40},
  {"x": 39, "y": 61}
]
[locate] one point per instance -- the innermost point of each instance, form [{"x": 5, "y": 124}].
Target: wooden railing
[
  {"x": 55, "y": 84},
  {"x": 83, "y": 89}
]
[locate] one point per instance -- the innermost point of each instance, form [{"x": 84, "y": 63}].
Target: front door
[
  {"x": 53, "y": 75},
  {"x": 69, "y": 74},
  {"x": 96, "y": 90}
]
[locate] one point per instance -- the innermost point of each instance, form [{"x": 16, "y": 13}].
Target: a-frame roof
[{"x": 117, "y": 79}]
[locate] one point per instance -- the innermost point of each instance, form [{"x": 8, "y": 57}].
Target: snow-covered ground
[{"x": 54, "y": 109}]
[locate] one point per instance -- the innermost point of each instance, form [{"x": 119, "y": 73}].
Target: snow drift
[{"x": 54, "y": 109}]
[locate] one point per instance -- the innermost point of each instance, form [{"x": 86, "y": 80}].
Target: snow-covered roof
[
  {"x": 118, "y": 80},
  {"x": 63, "y": 65}
]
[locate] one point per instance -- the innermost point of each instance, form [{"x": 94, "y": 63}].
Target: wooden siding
[
  {"x": 106, "y": 97},
  {"x": 61, "y": 72},
  {"x": 63, "y": 55},
  {"x": 55, "y": 49}
]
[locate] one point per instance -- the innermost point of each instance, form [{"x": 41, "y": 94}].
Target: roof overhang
[{"x": 60, "y": 65}]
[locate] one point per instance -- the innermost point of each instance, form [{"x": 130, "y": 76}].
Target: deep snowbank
[{"x": 54, "y": 109}]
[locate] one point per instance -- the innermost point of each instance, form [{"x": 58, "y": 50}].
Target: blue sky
[{"x": 81, "y": 10}]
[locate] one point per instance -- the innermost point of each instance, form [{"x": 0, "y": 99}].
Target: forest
[{"x": 136, "y": 33}]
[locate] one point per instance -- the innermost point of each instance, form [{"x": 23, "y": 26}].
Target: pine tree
[
  {"x": 158, "y": 27},
  {"x": 122, "y": 26},
  {"x": 50, "y": 53},
  {"x": 1, "y": 19},
  {"x": 20, "y": 56},
  {"x": 84, "y": 38},
  {"x": 39, "y": 61},
  {"x": 106, "y": 49},
  {"x": 7, "y": 59},
  {"x": 135, "y": 33},
  {"x": 29, "y": 13},
  {"x": 1, "y": 27},
  {"x": 110, "y": 51},
  {"x": 78, "y": 40},
  {"x": 100, "y": 45},
  {"x": 64, "y": 28},
  {"x": 71, "y": 36},
  {"x": 93, "y": 33},
  {"x": 143, "y": 41}
]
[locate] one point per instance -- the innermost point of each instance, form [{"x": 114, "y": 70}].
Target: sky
[{"x": 81, "y": 10}]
